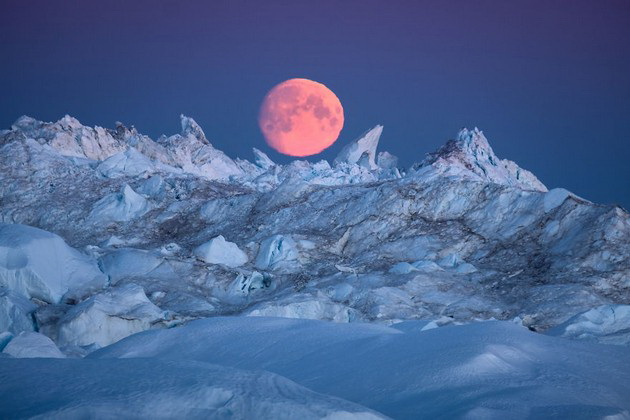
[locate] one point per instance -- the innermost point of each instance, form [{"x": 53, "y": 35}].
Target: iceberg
[
  {"x": 278, "y": 251},
  {"x": 31, "y": 344},
  {"x": 120, "y": 207},
  {"x": 39, "y": 264},
  {"x": 219, "y": 251},
  {"x": 362, "y": 151},
  {"x": 127, "y": 163},
  {"x": 108, "y": 317},
  {"x": 16, "y": 312},
  {"x": 608, "y": 324}
]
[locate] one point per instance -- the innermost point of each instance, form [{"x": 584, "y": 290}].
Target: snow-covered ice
[
  {"x": 39, "y": 264},
  {"x": 129, "y": 262},
  {"x": 555, "y": 198},
  {"x": 15, "y": 312},
  {"x": 305, "y": 308},
  {"x": 108, "y": 317},
  {"x": 490, "y": 369},
  {"x": 472, "y": 157},
  {"x": 608, "y": 324},
  {"x": 219, "y": 251},
  {"x": 278, "y": 251},
  {"x": 107, "y": 233},
  {"x": 363, "y": 150},
  {"x": 262, "y": 160},
  {"x": 144, "y": 388},
  {"x": 30, "y": 345},
  {"x": 120, "y": 207},
  {"x": 128, "y": 163},
  {"x": 245, "y": 284}
]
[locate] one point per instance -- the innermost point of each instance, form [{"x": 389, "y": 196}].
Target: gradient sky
[{"x": 547, "y": 81}]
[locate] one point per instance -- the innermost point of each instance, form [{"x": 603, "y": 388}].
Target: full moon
[{"x": 300, "y": 117}]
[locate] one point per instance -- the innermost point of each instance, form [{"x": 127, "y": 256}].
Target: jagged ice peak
[{"x": 469, "y": 156}]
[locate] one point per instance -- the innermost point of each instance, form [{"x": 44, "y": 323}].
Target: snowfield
[
  {"x": 146, "y": 388},
  {"x": 490, "y": 369},
  {"x": 461, "y": 287}
]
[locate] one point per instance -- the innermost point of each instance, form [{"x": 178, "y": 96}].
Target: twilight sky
[{"x": 547, "y": 81}]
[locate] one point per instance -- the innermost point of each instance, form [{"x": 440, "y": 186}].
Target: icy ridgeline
[
  {"x": 124, "y": 152},
  {"x": 173, "y": 229}
]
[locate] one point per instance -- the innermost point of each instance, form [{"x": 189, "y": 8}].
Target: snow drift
[
  {"x": 143, "y": 388},
  {"x": 489, "y": 369}
]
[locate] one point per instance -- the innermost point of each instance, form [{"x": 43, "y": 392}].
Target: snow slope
[
  {"x": 482, "y": 370},
  {"x": 168, "y": 389}
]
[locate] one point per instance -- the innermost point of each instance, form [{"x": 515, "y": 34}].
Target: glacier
[{"x": 108, "y": 238}]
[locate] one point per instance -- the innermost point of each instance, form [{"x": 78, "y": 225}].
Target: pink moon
[{"x": 300, "y": 117}]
